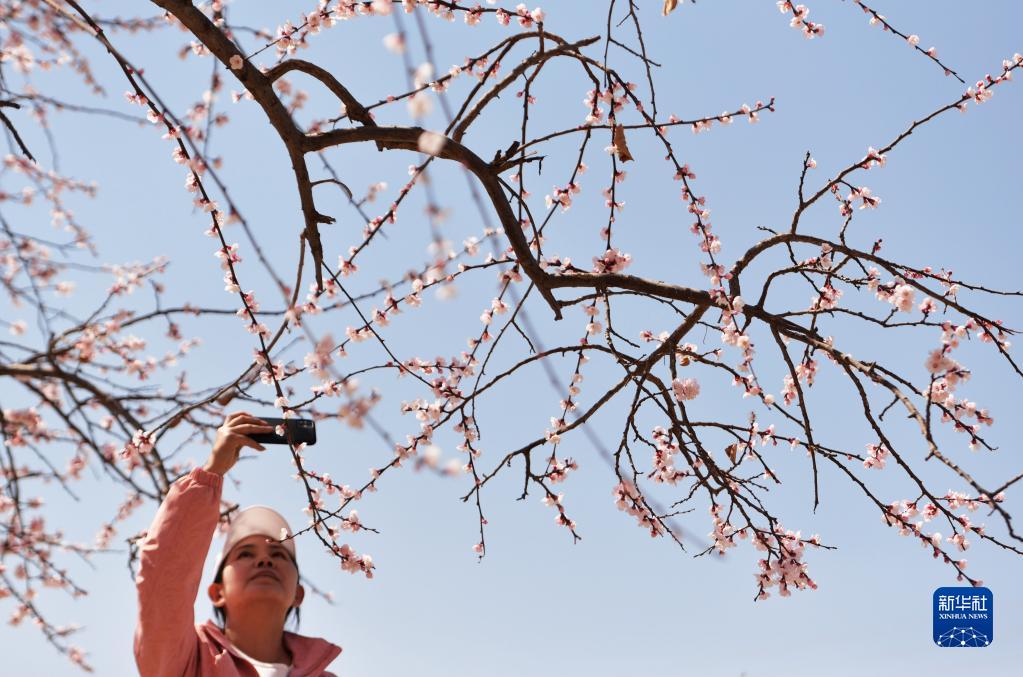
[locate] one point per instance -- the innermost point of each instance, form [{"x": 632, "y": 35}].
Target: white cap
[{"x": 257, "y": 520}]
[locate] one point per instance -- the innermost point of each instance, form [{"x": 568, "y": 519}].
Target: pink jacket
[{"x": 168, "y": 642}]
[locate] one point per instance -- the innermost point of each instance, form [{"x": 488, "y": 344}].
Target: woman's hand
[{"x": 231, "y": 437}]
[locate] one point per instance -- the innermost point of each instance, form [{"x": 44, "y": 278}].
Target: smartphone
[{"x": 300, "y": 430}]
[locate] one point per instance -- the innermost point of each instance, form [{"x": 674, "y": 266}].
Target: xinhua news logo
[{"x": 964, "y": 617}]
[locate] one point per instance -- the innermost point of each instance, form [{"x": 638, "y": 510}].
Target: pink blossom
[
  {"x": 788, "y": 392},
  {"x": 902, "y": 297},
  {"x": 395, "y": 42},
  {"x": 981, "y": 94},
  {"x": 874, "y": 158},
  {"x": 685, "y": 389},
  {"x": 552, "y": 500},
  {"x": 431, "y": 143},
  {"x": 876, "y": 455},
  {"x": 828, "y": 298},
  {"x": 612, "y": 261},
  {"x": 629, "y": 500},
  {"x": 937, "y": 361}
]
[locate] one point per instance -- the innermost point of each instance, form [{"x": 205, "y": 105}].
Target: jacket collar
[{"x": 310, "y": 655}]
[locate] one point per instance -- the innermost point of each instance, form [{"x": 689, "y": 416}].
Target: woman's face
[{"x": 258, "y": 575}]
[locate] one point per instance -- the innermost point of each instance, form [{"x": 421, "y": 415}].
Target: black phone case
[{"x": 300, "y": 429}]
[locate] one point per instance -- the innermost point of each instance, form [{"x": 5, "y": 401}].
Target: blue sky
[{"x": 617, "y": 601}]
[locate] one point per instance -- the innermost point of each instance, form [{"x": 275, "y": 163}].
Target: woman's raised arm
[{"x": 173, "y": 552}]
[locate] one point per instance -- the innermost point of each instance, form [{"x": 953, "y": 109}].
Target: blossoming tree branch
[{"x": 77, "y": 386}]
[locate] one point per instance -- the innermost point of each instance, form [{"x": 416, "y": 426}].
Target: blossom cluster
[{"x": 800, "y": 13}]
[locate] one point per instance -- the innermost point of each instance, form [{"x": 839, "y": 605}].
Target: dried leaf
[
  {"x": 669, "y": 6},
  {"x": 731, "y": 450},
  {"x": 621, "y": 147}
]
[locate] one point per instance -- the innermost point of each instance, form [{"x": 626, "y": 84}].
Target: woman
[{"x": 255, "y": 589}]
